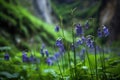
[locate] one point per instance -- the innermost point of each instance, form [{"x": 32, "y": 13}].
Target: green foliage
[
  {"x": 83, "y": 10},
  {"x": 26, "y": 26},
  {"x": 23, "y": 27}
]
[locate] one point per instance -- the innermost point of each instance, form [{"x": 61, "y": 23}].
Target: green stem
[
  {"x": 103, "y": 59},
  {"x": 60, "y": 69},
  {"x": 89, "y": 64},
  {"x": 74, "y": 51},
  {"x": 96, "y": 72},
  {"x": 73, "y": 10},
  {"x": 63, "y": 57},
  {"x": 71, "y": 75}
]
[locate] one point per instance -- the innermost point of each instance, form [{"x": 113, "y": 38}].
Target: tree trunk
[{"x": 110, "y": 15}]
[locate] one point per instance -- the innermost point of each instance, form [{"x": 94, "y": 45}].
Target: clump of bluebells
[
  {"x": 104, "y": 32},
  {"x": 61, "y": 50},
  {"x": 80, "y": 39},
  {"x": 26, "y": 59},
  {"x": 88, "y": 39}
]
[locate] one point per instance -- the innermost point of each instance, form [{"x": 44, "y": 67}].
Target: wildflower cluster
[
  {"x": 59, "y": 44},
  {"x": 89, "y": 39},
  {"x": 104, "y": 32},
  {"x": 26, "y": 59},
  {"x": 44, "y": 51}
]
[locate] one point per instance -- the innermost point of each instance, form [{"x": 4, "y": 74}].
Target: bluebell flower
[
  {"x": 24, "y": 57},
  {"x": 53, "y": 58},
  {"x": 105, "y": 31},
  {"x": 49, "y": 61},
  {"x": 90, "y": 42},
  {"x": 32, "y": 59},
  {"x": 78, "y": 29},
  {"x": 46, "y": 52},
  {"x": 60, "y": 45},
  {"x": 59, "y": 42},
  {"x": 100, "y": 34},
  {"x": 87, "y": 25},
  {"x": 57, "y": 54},
  {"x": 57, "y": 28},
  {"x": 83, "y": 39},
  {"x": 79, "y": 42},
  {"x": 61, "y": 49},
  {"x": 6, "y": 56}
]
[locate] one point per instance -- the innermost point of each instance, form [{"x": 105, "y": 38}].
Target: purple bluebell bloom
[
  {"x": 60, "y": 45},
  {"x": 32, "y": 59},
  {"x": 53, "y": 58},
  {"x": 49, "y": 61},
  {"x": 46, "y": 52},
  {"x": 79, "y": 42},
  {"x": 57, "y": 28},
  {"x": 87, "y": 25},
  {"x": 90, "y": 43},
  {"x": 99, "y": 32},
  {"x": 83, "y": 38},
  {"x": 57, "y": 55},
  {"x": 78, "y": 29},
  {"x": 61, "y": 49},
  {"x": 6, "y": 56},
  {"x": 59, "y": 42},
  {"x": 24, "y": 57},
  {"x": 105, "y": 31}
]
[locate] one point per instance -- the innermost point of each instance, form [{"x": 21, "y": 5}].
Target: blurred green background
[{"x": 28, "y": 23}]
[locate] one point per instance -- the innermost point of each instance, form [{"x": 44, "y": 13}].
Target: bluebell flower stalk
[
  {"x": 90, "y": 42},
  {"x": 49, "y": 61},
  {"x": 78, "y": 29},
  {"x": 24, "y": 57},
  {"x": 105, "y": 31},
  {"x": 59, "y": 42},
  {"x": 57, "y": 55},
  {"x": 100, "y": 34},
  {"x": 46, "y": 52},
  {"x": 79, "y": 41}
]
